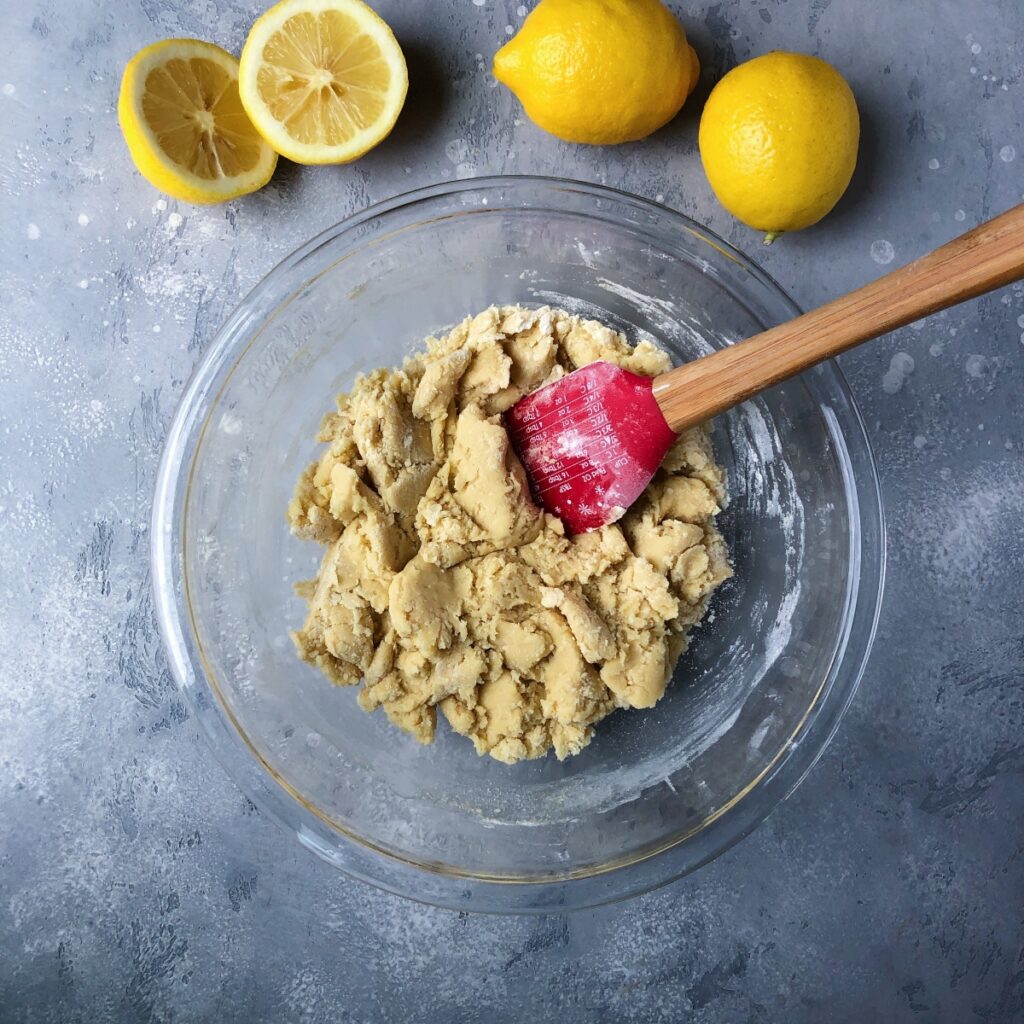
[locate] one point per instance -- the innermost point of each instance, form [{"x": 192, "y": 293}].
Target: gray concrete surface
[{"x": 137, "y": 883}]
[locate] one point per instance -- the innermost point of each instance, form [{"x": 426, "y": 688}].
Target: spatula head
[{"x": 590, "y": 443}]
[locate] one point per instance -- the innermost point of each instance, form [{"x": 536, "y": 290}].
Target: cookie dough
[{"x": 443, "y": 586}]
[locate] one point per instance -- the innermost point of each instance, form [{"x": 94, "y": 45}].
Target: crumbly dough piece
[{"x": 443, "y": 586}]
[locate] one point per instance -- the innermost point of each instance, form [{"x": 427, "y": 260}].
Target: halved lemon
[
  {"x": 185, "y": 126},
  {"x": 323, "y": 80}
]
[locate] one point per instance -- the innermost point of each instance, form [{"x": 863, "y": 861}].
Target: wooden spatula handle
[{"x": 989, "y": 256}]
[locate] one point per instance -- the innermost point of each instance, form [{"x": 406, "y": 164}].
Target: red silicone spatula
[{"x": 591, "y": 441}]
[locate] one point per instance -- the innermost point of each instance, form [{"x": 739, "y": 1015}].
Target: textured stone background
[{"x": 889, "y": 887}]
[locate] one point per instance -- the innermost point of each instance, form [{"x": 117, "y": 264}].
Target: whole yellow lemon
[
  {"x": 599, "y": 71},
  {"x": 778, "y": 140}
]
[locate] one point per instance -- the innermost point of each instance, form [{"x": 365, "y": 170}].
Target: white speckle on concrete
[
  {"x": 96, "y": 405},
  {"x": 936, "y": 348},
  {"x": 920, "y": 441},
  {"x": 32, "y": 232},
  {"x": 901, "y": 366},
  {"x": 1007, "y": 154},
  {"x": 882, "y": 251},
  {"x": 9, "y": 89},
  {"x": 479, "y": 3},
  {"x": 933, "y": 164},
  {"x": 659, "y": 198},
  {"x": 509, "y": 30},
  {"x": 959, "y": 216},
  {"x": 521, "y": 11},
  {"x": 160, "y": 205},
  {"x": 156, "y": 328},
  {"x": 84, "y": 283},
  {"x": 1020, "y": 320},
  {"x": 464, "y": 156},
  {"x": 974, "y": 70},
  {"x": 456, "y": 150},
  {"x": 975, "y": 48},
  {"x": 969, "y": 528},
  {"x": 976, "y": 366},
  {"x": 174, "y": 221}
]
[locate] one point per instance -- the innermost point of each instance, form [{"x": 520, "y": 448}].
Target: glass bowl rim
[{"x": 382, "y": 868}]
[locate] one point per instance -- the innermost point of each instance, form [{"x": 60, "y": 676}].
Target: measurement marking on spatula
[{"x": 583, "y": 469}]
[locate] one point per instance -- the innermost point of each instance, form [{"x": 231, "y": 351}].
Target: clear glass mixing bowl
[{"x": 657, "y": 793}]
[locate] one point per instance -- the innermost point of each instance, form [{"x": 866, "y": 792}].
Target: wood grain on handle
[{"x": 989, "y": 256}]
